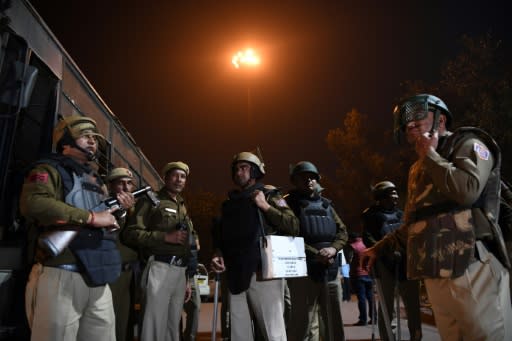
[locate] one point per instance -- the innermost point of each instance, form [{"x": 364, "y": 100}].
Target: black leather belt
[
  {"x": 67, "y": 267},
  {"x": 171, "y": 260}
]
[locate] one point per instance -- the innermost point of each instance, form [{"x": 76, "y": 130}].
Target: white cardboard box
[{"x": 284, "y": 257}]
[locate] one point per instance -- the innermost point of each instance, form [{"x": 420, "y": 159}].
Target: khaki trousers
[
  {"x": 475, "y": 306},
  {"x": 164, "y": 293},
  {"x": 61, "y": 307},
  {"x": 315, "y": 303},
  {"x": 264, "y": 300}
]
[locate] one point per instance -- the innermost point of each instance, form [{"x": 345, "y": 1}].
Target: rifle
[
  {"x": 113, "y": 203},
  {"x": 56, "y": 240}
]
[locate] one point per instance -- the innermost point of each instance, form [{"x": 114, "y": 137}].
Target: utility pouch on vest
[{"x": 441, "y": 246}]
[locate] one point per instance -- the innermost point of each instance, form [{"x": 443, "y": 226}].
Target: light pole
[{"x": 247, "y": 59}]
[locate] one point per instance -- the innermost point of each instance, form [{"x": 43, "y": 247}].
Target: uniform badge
[
  {"x": 40, "y": 178},
  {"x": 281, "y": 203},
  {"x": 481, "y": 151},
  {"x": 170, "y": 210}
]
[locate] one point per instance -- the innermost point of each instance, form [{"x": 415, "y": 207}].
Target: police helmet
[
  {"x": 381, "y": 188},
  {"x": 417, "y": 108},
  {"x": 72, "y": 127},
  {"x": 304, "y": 167},
  {"x": 257, "y": 167}
]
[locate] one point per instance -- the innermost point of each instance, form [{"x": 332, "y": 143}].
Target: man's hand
[
  {"x": 425, "y": 142},
  {"x": 176, "y": 237},
  {"x": 103, "y": 219},
  {"x": 259, "y": 199},
  {"x": 217, "y": 264},
  {"x": 327, "y": 252},
  {"x": 126, "y": 200},
  {"x": 368, "y": 258},
  {"x": 326, "y": 255}
]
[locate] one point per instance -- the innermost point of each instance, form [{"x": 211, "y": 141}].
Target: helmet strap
[
  {"x": 435, "y": 123},
  {"x": 255, "y": 172},
  {"x": 90, "y": 155}
]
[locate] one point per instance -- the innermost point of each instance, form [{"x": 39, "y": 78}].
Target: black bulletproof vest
[
  {"x": 318, "y": 227},
  {"x": 386, "y": 221},
  {"x": 317, "y": 224},
  {"x": 240, "y": 232},
  {"x": 391, "y": 220}
]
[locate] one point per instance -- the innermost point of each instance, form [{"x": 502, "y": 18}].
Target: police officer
[
  {"x": 66, "y": 296},
  {"x": 162, "y": 235},
  {"x": 381, "y": 218},
  {"x": 249, "y": 209},
  {"x": 324, "y": 235},
  {"x": 447, "y": 225},
  {"x": 120, "y": 183}
]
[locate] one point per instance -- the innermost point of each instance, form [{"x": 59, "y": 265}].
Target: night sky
[{"x": 164, "y": 68}]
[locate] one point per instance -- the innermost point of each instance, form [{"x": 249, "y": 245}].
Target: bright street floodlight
[{"x": 245, "y": 58}]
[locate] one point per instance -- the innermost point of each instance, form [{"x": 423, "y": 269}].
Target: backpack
[{"x": 496, "y": 198}]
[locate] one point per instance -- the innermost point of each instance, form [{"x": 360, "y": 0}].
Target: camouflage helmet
[
  {"x": 381, "y": 188},
  {"x": 304, "y": 167},
  {"x": 119, "y": 172},
  {"x": 176, "y": 165},
  {"x": 251, "y": 158},
  {"x": 73, "y": 127},
  {"x": 417, "y": 108}
]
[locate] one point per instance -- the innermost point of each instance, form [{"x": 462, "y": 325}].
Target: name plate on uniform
[{"x": 283, "y": 257}]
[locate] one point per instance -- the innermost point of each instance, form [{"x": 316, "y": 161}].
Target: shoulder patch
[
  {"x": 481, "y": 151},
  {"x": 39, "y": 177},
  {"x": 281, "y": 202}
]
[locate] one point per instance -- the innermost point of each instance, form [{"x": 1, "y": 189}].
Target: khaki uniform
[
  {"x": 468, "y": 289},
  {"x": 262, "y": 300},
  {"x": 59, "y": 303},
  {"x": 164, "y": 279}
]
